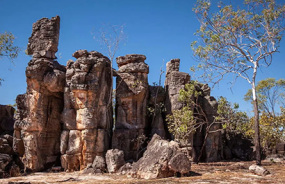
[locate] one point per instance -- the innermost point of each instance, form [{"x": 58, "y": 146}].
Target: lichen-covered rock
[
  {"x": 131, "y": 102},
  {"x": 114, "y": 160},
  {"x": 37, "y": 124},
  {"x": 160, "y": 160},
  {"x": 87, "y": 114}
]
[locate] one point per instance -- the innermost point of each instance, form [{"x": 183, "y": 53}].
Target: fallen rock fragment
[
  {"x": 259, "y": 170},
  {"x": 160, "y": 160},
  {"x": 180, "y": 163},
  {"x": 114, "y": 160}
]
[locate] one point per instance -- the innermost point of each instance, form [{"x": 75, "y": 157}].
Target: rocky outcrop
[
  {"x": 87, "y": 114},
  {"x": 131, "y": 102},
  {"x": 161, "y": 159},
  {"x": 174, "y": 82},
  {"x": 37, "y": 123}
]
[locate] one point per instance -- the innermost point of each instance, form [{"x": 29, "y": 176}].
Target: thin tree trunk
[
  {"x": 256, "y": 118},
  {"x": 257, "y": 133}
]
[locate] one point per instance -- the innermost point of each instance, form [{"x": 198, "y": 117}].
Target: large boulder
[
  {"x": 161, "y": 159},
  {"x": 114, "y": 160}
]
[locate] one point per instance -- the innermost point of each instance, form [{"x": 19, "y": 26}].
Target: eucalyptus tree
[
  {"x": 270, "y": 94},
  {"x": 7, "y": 48},
  {"x": 238, "y": 41}
]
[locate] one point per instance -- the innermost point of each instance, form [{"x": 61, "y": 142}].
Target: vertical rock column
[
  {"x": 213, "y": 142},
  {"x": 87, "y": 115},
  {"x": 131, "y": 102},
  {"x": 174, "y": 82},
  {"x": 39, "y": 110}
]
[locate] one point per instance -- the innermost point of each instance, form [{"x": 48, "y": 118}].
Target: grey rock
[
  {"x": 180, "y": 163},
  {"x": 156, "y": 159},
  {"x": 114, "y": 160},
  {"x": 259, "y": 170}
]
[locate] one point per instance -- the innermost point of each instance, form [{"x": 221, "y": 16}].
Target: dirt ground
[{"x": 218, "y": 172}]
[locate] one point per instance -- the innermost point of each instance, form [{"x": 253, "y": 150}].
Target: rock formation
[
  {"x": 66, "y": 114},
  {"x": 10, "y": 164},
  {"x": 39, "y": 110},
  {"x": 161, "y": 159},
  {"x": 174, "y": 82},
  {"x": 131, "y": 102},
  {"x": 87, "y": 114}
]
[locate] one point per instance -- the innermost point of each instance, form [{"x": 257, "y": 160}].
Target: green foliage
[
  {"x": 270, "y": 93},
  {"x": 233, "y": 120},
  {"x": 234, "y": 40},
  {"x": 7, "y": 48},
  {"x": 182, "y": 123},
  {"x": 272, "y": 129}
]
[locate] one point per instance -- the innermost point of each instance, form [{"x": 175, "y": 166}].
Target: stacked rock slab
[
  {"x": 131, "y": 102},
  {"x": 87, "y": 115},
  {"x": 37, "y": 122}
]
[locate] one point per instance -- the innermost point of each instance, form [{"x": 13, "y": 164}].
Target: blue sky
[{"x": 159, "y": 29}]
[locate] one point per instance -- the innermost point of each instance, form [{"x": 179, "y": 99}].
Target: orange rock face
[
  {"x": 37, "y": 123},
  {"x": 87, "y": 114}
]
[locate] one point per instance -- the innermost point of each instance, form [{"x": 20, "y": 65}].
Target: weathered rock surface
[
  {"x": 161, "y": 159},
  {"x": 259, "y": 170},
  {"x": 114, "y": 160},
  {"x": 87, "y": 114},
  {"x": 44, "y": 39},
  {"x": 37, "y": 125},
  {"x": 131, "y": 102},
  {"x": 174, "y": 82}
]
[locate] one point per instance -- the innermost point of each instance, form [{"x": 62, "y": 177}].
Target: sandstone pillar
[
  {"x": 87, "y": 116},
  {"x": 39, "y": 110},
  {"x": 131, "y": 105}
]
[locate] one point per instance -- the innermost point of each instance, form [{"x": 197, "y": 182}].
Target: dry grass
[{"x": 219, "y": 172}]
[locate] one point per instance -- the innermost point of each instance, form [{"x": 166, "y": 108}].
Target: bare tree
[{"x": 111, "y": 37}]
